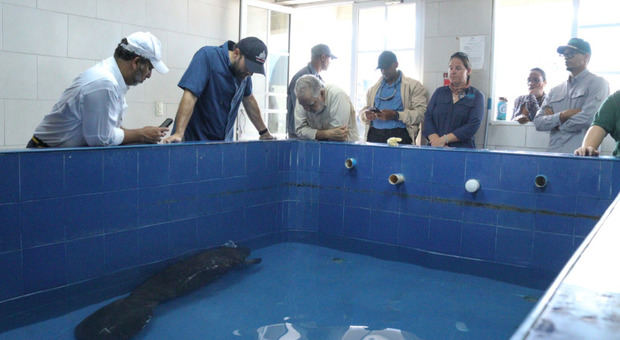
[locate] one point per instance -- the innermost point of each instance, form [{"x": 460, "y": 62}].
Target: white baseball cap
[{"x": 148, "y": 46}]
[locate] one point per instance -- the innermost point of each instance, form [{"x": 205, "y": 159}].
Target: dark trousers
[
  {"x": 382, "y": 135},
  {"x": 35, "y": 142}
]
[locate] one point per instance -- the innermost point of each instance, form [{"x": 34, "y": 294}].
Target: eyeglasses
[
  {"x": 534, "y": 80},
  {"x": 568, "y": 55}
]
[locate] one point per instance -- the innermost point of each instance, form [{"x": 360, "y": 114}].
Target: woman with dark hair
[
  {"x": 527, "y": 105},
  {"x": 455, "y": 111}
]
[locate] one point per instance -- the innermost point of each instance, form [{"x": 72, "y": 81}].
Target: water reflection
[{"x": 288, "y": 331}]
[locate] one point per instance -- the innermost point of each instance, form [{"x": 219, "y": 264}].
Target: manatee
[{"x": 124, "y": 318}]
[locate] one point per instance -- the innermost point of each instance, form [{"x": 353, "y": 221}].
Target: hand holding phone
[{"x": 166, "y": 122}]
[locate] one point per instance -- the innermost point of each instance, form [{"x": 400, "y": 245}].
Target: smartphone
[
  {"x": 166, "y": 122},
  {"x": 374, "y": 109}
]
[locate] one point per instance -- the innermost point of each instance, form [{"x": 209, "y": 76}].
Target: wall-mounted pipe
[
  {"x": 472, "y": 185},
  {"x": 350, "y": 163},
  {"x": 395, "y": 179},
  {"x": 541, "y": 181}
]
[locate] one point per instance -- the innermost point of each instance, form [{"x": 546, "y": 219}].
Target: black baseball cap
[
  {"x": 386, "y": 59},
  {"x": 577, "y": 44},
  {"x": 255, "y": 52}
]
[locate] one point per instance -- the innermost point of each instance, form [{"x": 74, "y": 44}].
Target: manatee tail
[{"x": 121, "y": 319}]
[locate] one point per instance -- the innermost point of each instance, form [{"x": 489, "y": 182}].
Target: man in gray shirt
[
  {"x": 319, "y": 61},
  {"x": 568, "y": 110},
  {"x": 323, "y": 112}
]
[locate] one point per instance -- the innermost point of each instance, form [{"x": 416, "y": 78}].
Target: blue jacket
[{"x": 461, "y": 118}]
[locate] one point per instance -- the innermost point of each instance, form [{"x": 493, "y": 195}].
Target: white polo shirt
[{"x": 90, "y": 111}]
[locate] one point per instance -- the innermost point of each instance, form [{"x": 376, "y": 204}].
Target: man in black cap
[
  {"x": 320, "y": 58},
  {"x": 217, "y": 80},
  {"x": 395, "y": 105},
  {"x": 568, "y": 110}
]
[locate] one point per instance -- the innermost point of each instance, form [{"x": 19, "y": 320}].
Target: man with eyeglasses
[
  {"x": 90, "y": 111},
  {"x": 568, "y": 110},
  {"x": 320, "y": 56},
  {"x": 395, "y": 105},
  {"x": 323, "y": 112}
]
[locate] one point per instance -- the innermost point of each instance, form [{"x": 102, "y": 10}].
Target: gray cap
[{"x": 322, "y": 49}]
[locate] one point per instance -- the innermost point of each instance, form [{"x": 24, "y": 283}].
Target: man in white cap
[{"x": 90, "y": 111}]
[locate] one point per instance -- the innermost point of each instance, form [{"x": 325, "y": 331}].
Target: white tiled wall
[{"x": 45, "y": 44}]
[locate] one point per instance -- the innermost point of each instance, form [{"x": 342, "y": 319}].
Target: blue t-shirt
[
  {"x": 389, "y": 98},
  {"x": 210, "y": 78}
]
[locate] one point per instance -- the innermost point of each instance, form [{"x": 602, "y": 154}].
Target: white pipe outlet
[
  {"x": 396, "y": 179},
  {"x": 472, "y": 185}
]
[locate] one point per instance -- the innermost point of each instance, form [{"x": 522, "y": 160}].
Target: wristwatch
[{"x": 263, "y": 131}]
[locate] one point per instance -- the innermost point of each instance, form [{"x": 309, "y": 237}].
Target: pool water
[{"x": 302, "y": 291}]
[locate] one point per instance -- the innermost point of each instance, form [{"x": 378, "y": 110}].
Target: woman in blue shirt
[{"x": 454, "y": 112}]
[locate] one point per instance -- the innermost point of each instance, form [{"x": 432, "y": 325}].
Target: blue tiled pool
[
  {"x": 98, "y": 221},
  {"x": 322, "y": 293}
]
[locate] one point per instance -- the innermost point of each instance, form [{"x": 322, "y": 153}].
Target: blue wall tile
[
  {"x": 257, "y": 157},
  {"x": 9, "y": 178},
  {"x": 518, "y": 173},
  {"x": 331, "y": 219},
  {"x": 285, "y": 158},
  {"x": 120, "y": 169},
  {"x": 121, "y": 250},
  {"x": 446, "y": 210},
  {"x": 331, "y": 190},
  {"x": 41, "y": 175},
  {"x": 513, "y": 246},
  {"x": 449, "y": 167},
  {"x": 478, "y": 241},
  {"x": 588, "y": 181},
  {"x": 562, "y": 175},
  {"x": 485, "y": 167},
  {"x": 310, "y": 213},
  {"x": 615, "y": 179},
  {"x": 417, "y": 165},
  {"x": 592, "y": 206},
  {"x": 85, "y": 259},
  {"x": 356, "y": 223},
  {"x": 605, "y": 184},
  {"x": 119, "y": 210},
  {"x": 516, "y": 219},
  {"x": 184, "y": 201},
  {"x": 551, "y": 251},
  {"x": 9, "y": 228},
  {"x": 83, "y": 172},
  {"x": 183, "y": 166},
  {"x": 583, "y": 226},
  {"x": 260, "y": 220},
  {"x": 554, "y": 223},
  {"x": 480, "y": 215},
  {"x": 416, "y": 199},
  {"x": 308, "y": 155},
  {"x": 209, "y": 196},
  {"x": 42, "y": 222},
  {"x": 383, "y": 227},
  {"x": 386, "y": 196},
  {"x": 332, "y": 159},
  {"x": 233, "y": 192},
  {"x": 153, "y": 243},
  {"x": 83, "y": 216},
  {"x": 153, "y": 205},
  {"x": 11, "y": 275},
  {"x": 413, "y": 231},
  {"x": 183, "y": 236},
  {"x": 556, "y": 203},
  {"x": 234, "y": 160},
  {"x": 216, "y": 229},
  {"x": 445, "y": 236},
  {"x": 153, "y": 166},
  {"x": 209, "y": 158},
  {"x": 44, "y": 267},
  {"x": 386, "y": 161},
  {"x": 358, "y": 193}
]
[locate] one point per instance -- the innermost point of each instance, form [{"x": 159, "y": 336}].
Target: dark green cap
[{"x": 577, "y": 44}]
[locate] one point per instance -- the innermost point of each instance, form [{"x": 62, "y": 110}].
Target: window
[
  {"x": 271, "y": 24},
  {"x": 527, "y": 33},
  {"x": 381, "y": 26}
]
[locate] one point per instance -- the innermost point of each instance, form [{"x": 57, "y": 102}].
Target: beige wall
[{"x": 44, "y": 44}]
